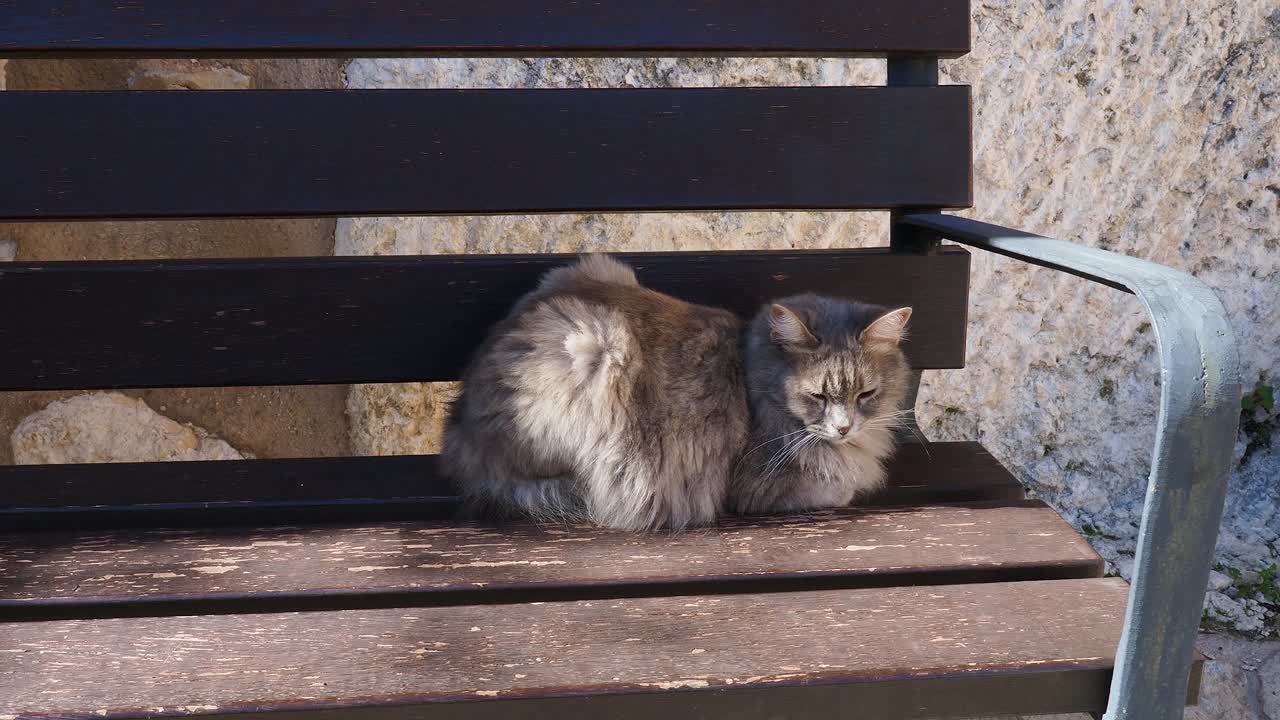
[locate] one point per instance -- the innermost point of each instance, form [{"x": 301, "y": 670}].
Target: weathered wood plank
[
  {"x": 228, "y": 570},
  {"x": 366, "y": 489},
  {"x": 946, "y": 472},
  {"x": 270, "y": 153},
  {"x": 236, "y": 28},
  {"x": 398, "y": 319},
  {"x": 362, "y": 659}
]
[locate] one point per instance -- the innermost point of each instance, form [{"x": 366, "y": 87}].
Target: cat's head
[{"x": 833, "y": 366}]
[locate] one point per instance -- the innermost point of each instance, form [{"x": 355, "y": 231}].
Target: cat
[
  {"x": 826, "y": 380},
  {"x": 598, "y": 399}
]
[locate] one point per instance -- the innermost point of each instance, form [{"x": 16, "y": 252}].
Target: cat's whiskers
[
  {"x": 815, "y": 439},
  {"x": 787, "y": 452},
  {"x": 752, "y": 451},
  {"x": 895, "y": 420},
  {"x": 766, "y": 442},
  {"x": 775, "y": 460},
  {"x": 790, "y": 452}
]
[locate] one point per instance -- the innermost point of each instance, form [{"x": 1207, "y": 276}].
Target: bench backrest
[{"x": 123, "y": 155}]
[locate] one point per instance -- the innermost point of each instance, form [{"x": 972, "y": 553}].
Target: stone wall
[
  {"x": 269, "y": 422},
  {"x": 1151, "y": 129}
]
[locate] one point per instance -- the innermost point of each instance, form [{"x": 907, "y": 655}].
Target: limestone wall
[
  {"x": 262, "y": 421},
  {"x": 1151, "y": 129}
]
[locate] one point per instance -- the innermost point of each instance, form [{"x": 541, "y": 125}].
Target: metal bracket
[{"x": 1198, "y": 421}]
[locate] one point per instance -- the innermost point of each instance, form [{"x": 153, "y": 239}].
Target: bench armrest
[{"x": 1195, "y": 438}]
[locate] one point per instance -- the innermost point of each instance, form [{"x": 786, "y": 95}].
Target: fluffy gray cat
[{"x": 598, "y": 399}]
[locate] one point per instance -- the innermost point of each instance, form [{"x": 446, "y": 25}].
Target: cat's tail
[
  {"x": 592, "y": 267},
  {"x": 492, "y": 486}
]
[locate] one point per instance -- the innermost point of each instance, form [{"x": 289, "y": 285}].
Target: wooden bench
[{"x": 340, "y": 588}]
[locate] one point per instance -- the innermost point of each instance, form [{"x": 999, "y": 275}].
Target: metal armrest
[{"x": 1198, "y": 421}]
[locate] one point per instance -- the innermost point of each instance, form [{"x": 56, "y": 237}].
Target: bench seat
[
  {"x": 905, "y": 652},
  {"x": 911, "y": 606},
  {"x": 435, "y": 563}
]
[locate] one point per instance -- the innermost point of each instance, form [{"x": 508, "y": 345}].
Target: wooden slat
[
  {"x": 695, "y": 647},
  {"x": 516, "y": 27},
  {"x": 946, "y": 472},
  {"x": 229, "y": 570},
  {"x": 343, "y": 320},
  {"x": 366, "y": 489},
  {"x": 366, "y": 152}
]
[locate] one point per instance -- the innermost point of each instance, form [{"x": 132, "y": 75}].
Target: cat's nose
[{"x": 843, "y": 430}]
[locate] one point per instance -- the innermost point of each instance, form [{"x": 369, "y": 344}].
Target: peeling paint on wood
[
  {"x": 482, "y": 653},
  {"x": 913, "y": 545}
]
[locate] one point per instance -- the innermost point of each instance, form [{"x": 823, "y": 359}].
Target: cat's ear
[
  {"x": 788, "y": 330},
  {"x": 889, "y": 327}
]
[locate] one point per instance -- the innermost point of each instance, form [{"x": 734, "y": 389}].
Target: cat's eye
[
  {"x": 818, "y": 396},
  {"x": 866, "y": 395}
]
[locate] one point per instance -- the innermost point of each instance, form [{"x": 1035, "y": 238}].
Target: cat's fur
[
  {"x": 816, "y": 365},
  {"x": 601, "y": 399},
  {"x": 598, "y": 399}
]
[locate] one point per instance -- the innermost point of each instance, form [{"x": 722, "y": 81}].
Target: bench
[{"x": 342, "y": 588}]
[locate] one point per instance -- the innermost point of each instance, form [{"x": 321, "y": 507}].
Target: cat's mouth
[
  {"x": 851, "y": 436},
  {"x": 833, "y": 437}
]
